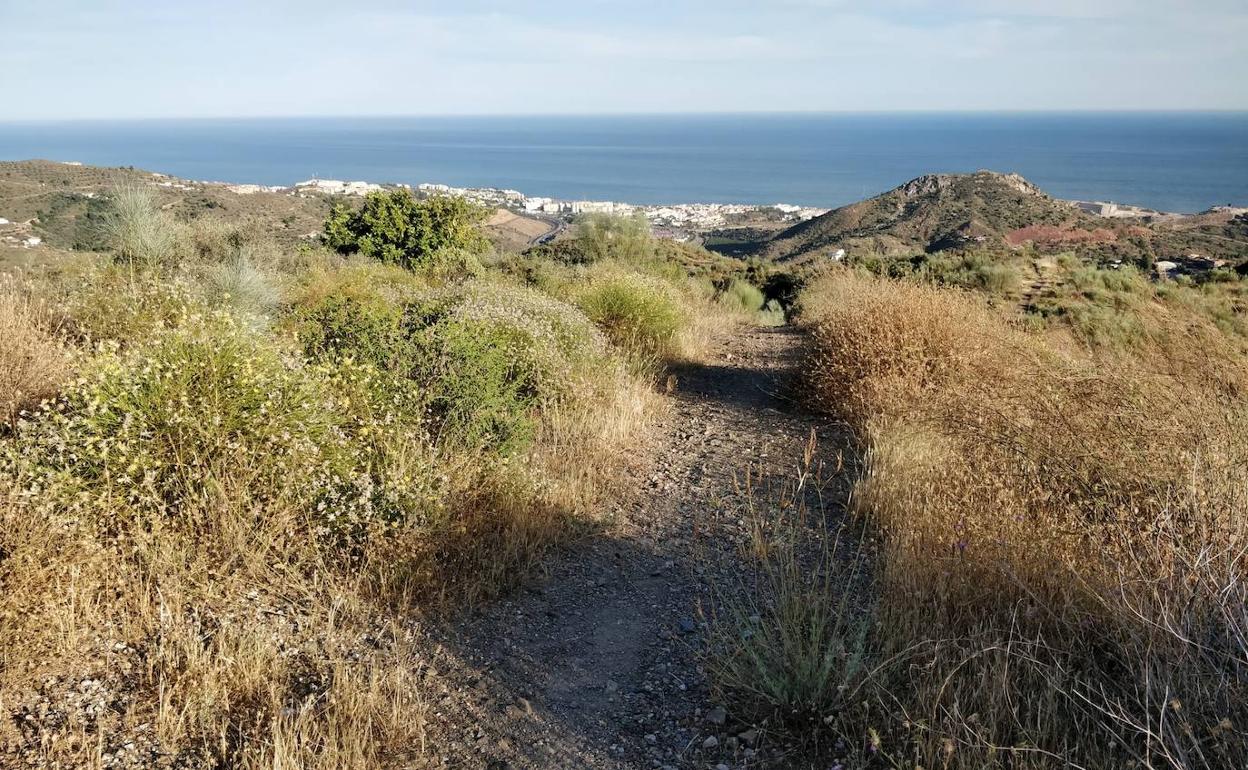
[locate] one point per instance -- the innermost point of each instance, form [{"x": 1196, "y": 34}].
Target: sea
[{"x": 1182, "y": 162}]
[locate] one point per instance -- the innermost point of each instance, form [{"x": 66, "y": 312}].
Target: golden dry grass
[
  {"x": 1064, "y": 532},
  {"x": 33, "y": 363}
]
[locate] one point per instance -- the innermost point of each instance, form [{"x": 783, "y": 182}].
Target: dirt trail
[{"x": 596, "y": 666}]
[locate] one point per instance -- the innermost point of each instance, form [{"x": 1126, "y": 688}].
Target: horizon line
[{"x": 653, "y": 114}]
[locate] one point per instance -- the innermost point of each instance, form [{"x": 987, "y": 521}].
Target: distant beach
[{"x": 1183, "y": 162}]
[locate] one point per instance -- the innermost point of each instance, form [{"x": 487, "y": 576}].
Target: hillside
[
  {"x": 403, "y": 496},
  {"x": 61, "y": 203},
  {"x": 936, "y": 212}
]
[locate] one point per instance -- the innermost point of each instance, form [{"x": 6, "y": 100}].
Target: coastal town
[
  {"x": 521, "y": 220},
  {"x": 677, "y": 218}
]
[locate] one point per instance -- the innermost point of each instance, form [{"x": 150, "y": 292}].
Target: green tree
[{"x": 395, "y": 227}]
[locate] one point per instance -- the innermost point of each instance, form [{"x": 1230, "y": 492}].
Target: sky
[{"x": 70, "y": 59}]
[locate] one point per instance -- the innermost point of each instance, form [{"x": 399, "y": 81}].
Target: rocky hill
[{"x": 937, "y": 212}]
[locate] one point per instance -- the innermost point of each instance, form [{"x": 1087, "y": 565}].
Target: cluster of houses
[
  {"x": 686, "y": 215},
  {"x": 695, "y": 215},
  {"x": 1192, "y": 264},
  {"x": 1111, "y": 210},
  {"x": 18, "y": 234},
  {"x": 309, "y": 186}
]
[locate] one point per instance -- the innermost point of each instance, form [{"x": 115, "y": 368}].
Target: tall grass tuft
[
  {"x": 640, "y": 314},
  {"x": 792, "y": 646},
  {"x": 143, "y": 235},
  {"x": 33, "y": 363},
  {"x": 1063, "y": 531}
]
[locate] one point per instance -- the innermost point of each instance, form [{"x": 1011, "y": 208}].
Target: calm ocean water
[{"x": 1174, "y": 161}]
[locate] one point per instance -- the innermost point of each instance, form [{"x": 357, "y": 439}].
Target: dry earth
[{"x": 598, "y": 664}]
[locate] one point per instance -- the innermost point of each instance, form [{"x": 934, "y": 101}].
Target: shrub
[
  {"x": 872, "y": 359},
  {"x": 498, "y": 358},
  {"x": 636, "y": 313},
  {"x": 608, "y": 236},
  {"x": 486, "y": 358},
  {"x": 739, "y": 295},
  {"x": 396, "y": 228},
  {"x": 559, "y": 333},
  {"x": 357, "y": 325},
  {"x": 481, "y": 384},
  {"x": 239, "y": 284},
  {"x": 143, "y": 235},
  {"x": 115, "y": 304},
  {"x": 986, "y": 273},
  {"x": 202, "y": 418},
  {"x": 452, "y": 265}
]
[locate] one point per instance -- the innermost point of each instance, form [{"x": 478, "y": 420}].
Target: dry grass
[
  {"x": 240, "y": 649},
  {"x": 218, "y": 538},
  {"x": 790, "y": 644},
  {"x": 1064, "y": 532},
  {"x": 212, "y": 547},
  {"x": 33, "y": 363}
]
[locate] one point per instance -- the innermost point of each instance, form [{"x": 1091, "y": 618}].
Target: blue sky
[{"x": 111, "y": 59}]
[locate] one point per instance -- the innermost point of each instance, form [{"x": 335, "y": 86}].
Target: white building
[{"x": 337, "y": 187}]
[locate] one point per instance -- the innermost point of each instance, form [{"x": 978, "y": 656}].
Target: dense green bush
[
  {"x": 452, "y": 265},
  {"x": 635, "y": 312},
  {"x": 739, "y": 295},
  {"x": 358, "y": 326},
  {"x": 493, "y": 357},
  {"x": 394, "y": 227},
  {"x": 485, "y": 358},
  {"x": 560, "y": 334},
  {"x": 609, "y": 236},
  {"x": 480, "y": 382}
]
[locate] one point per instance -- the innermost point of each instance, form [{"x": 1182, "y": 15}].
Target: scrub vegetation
[
  {"x": 229, "y": 470},
  {"x": 1054, "y": 521}
]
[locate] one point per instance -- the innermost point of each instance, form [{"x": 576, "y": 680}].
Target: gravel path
[{"x": 597, "y": 666}]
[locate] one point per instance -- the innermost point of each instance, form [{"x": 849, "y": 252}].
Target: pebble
[
  {"x": 710, "y": 743},
  {"x": 717, "y": 715}
]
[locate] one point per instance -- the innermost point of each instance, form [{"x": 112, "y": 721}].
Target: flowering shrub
[
  {"x": 113, "y": 303},
  {"x": 559, "y": 334},
  {"x": 205, "y": 416},
  {"x": 485, "y": 359},
  {"x": 361, "y": 327}
]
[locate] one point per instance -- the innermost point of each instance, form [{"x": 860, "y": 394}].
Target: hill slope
[{"x": 935, "y": 212}]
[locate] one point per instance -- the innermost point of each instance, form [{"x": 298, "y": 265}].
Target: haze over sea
[{"x": 1183, "y": 162}]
